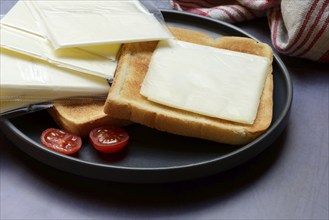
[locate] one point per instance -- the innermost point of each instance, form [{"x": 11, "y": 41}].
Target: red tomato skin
[
  {"x": 61, "y": 141},
  {"x": 109, "y": 139}
]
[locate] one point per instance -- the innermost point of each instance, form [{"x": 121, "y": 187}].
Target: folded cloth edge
[{"x": 298, "y": 28}]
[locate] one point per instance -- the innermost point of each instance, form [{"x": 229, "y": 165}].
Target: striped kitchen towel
[{"x": 298, "y": 27}]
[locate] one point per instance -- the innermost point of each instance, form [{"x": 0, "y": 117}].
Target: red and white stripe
[
  {"x": 302, "y": 34},
  {"x": 229, "y": 11}
]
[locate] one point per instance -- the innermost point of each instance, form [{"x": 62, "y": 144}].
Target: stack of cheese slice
[{"x": 59, "y": 49}]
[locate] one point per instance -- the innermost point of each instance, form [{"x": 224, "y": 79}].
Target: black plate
[{"x": 154, "y": 156}]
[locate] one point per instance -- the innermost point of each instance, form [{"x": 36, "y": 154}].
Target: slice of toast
[
  {"x": 81, "y": 116},
  {"x": 125, "y": 101}
]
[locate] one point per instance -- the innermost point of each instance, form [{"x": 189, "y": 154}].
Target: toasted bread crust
[
  {"x": 80, "y": 117},
  {"x": 125, "y": 101}
]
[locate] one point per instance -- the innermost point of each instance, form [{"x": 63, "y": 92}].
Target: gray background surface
[{"x": 287, "y": 181}]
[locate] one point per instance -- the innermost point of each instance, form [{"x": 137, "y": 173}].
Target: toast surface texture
[
  {"x": 80, "y": 117},
  {"x": 125, "y": 101}
]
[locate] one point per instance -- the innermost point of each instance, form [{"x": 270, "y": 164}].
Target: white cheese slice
[
  {"x": 32, "y": 80},
  {"x": 85, "y": 23},
  {"x": 73, "y": 58},
  {"x": 20, "y": 17},
  {"x": 25, "y": 19},
  {"x": 210, "y": 81}
]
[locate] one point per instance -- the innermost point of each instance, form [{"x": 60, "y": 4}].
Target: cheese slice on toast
[{"x": 125, "y": 101}]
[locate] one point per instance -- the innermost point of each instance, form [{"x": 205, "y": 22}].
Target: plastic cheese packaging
[
  {"x": 26, "y": 80},
  {"x": 86, "y": 23},
  {"x": 215, "y": 82},
  {"x": 73, "y": 58},
  {"x": 20, "y": 33},
  {"x": 21, "y": 17}
]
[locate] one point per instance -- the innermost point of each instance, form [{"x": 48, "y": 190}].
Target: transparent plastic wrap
[
  {"x": 26, "y": 81},
  {"x": 18, "y": 106},
  {"x": 29, "y": 108},
  {"x": 104, "y": 22},
  {"x": 33, "y": 84},
  {"x": 150, "y": 6},
  {"x": 21, "y": 33},
  {"x": 73, "y": 58}
]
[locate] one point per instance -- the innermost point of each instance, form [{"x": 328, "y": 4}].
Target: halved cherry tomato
[
  {"x": 109, "y": 139},
  {"x": 61, "y": 141}
]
